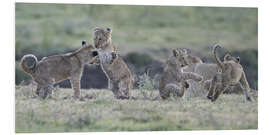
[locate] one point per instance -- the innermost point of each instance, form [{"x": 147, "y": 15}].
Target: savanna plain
[{"x": 141, "y": 34}]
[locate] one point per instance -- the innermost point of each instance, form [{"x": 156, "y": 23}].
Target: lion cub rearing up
[
  {"x": 119, "y": 76},
  {"x": 174, "y": 79},
  {"x": 54, "y": 69}
]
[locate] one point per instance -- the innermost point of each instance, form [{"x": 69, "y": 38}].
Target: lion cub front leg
[
  {"x": 38, "y": 90},
  {"x": 75, "y": 82},
  {"x": 219, "y": 89},
  {"x": 46, "y": 91},
  {"x": 193, "y": 76},
  {"x": 110, "y": 84},
  {"x": 115, "y": 89},
  {"x": 124, "y": 88}
]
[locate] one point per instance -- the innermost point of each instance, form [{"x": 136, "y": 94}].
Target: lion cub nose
[
  {"x": 94, "y": 53},
  {"x": 113, "y": 55}
]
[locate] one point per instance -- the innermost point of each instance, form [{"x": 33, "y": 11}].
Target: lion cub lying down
[
  {"x": 54, "y": 69},
  {"x": 174, "y": 80}
]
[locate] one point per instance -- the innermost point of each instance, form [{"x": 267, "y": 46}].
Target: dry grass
[{"x": 102, "y": 112}]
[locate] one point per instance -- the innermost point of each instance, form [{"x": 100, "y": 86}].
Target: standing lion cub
[
  {"x": 231, "y": 73},
  {"x": 119, "y": 76},
  {"x": 54, "y": 69}
]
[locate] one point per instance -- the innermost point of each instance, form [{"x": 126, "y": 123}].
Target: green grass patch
[{"x": 105, "y": 113}]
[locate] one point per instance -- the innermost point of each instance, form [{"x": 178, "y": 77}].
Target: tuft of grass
[
  {"x": 146, "y": 86},
  {"x": 105, "y": 113}
]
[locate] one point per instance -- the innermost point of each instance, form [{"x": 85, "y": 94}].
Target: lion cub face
[
  {"x": 102, "y": 37},
  {"x": 88, "y": 53},
  {"x": 181, "y": 57},
  {"x": 229, "y": 58},
  {"x": 182, "y": 52}
]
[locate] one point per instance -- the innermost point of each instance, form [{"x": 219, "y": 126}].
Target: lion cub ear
[
  {"x": 184, "y": 51},
  {"x": 83, "y": 42},
  {"x": 227, "y": 57},
  {"x": 238, "y": 59},
  {"x": 109, "y": 30},
  {"x": 95, "y": 30},
  {"x": 175, "y": 53}
]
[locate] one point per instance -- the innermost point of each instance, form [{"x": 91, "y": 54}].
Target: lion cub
[
  {"x": 119, "y": 76},
  {"x": 231, "y": 73},
  {"x": 54, "y": 69},
  {"x": 174, "y": 79},
  {"x": 190, "y": 59}
]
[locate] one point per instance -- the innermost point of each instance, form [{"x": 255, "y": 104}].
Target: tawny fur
[
  {"x": 173, "y": 80},
  {"x": 231, "y": 74},
  {"x": 103, "y": 39},
  {"x": 119, "y": 75},
  {"x": 54, "y": 69},
  {"x": 189, "y": 58},
  {"x": 207, "y": 70}
]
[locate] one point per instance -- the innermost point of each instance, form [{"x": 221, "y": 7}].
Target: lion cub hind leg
[
  {"x": 218, "y": 90},
  {"x": 164, "y": 93},
  {"x": 212, "y": 87},
  {"x": 175, "y": 90},
  {"x": 245, "y": 86},
  {"x": 46, "y": 91}
]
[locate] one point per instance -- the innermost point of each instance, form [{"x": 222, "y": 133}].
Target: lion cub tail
[
  {"x": 26, "y": 60},
  {"x": 218, "y": 61}
]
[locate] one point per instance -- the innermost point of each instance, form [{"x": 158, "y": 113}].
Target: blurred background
[{"x": 143, "y": 35}]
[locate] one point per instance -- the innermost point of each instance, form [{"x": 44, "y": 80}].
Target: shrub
[
  {"x": 146, "y": 86},
  {"x": 20, "y": 75},
  {"x": 138, "y": 60}
]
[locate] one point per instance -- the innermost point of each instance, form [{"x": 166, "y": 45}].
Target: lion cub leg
[
  {"x": 219, "y": 90},
  {"x": 164, "y": 93},
  {"x": 115, "y": 90},
  {"x": 193, "y": 76},
  {"x": 124, "y": 88},
  {"x": 245, "y": 86},
  {"x": 207, "y": 84},
  {"x": 110, "y": 84},
  {"x": 174, "y": 89},
  {"x": 212, "y": 87},
  {"x": 45, "y": 91},
  {"x": 38, "y": 89},
  {"x": 75, "y": 83}
]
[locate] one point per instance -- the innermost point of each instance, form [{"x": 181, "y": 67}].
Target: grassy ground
[{"x": 102, "y": 112}]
